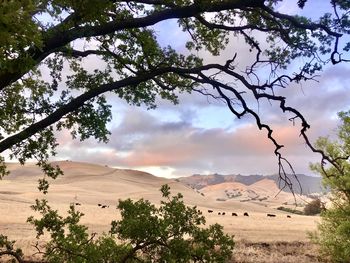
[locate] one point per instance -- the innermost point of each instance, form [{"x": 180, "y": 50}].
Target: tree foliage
[
  {"x": 46, "y": 86},
  {"x": 334, "y": 230},
  {"x": 172, "y": 232}
]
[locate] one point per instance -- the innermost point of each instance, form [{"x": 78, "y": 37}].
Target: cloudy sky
[{"x": 201, "y": 136}]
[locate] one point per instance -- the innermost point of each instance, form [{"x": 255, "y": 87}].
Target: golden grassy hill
[{"x": 91, "y": 184}]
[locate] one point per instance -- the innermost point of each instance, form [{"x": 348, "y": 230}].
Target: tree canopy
[{"x": 46, "y": 87}]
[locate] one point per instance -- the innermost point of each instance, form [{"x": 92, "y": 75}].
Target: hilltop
[{"x": 308, "y": 184}]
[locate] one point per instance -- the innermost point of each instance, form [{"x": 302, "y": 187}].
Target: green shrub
[{"x": 333, "y": 234}]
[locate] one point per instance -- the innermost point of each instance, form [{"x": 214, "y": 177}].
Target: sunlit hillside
[{"x": 95, "y": 191}]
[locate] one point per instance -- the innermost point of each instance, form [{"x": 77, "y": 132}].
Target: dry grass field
[
  {"x": 275, "y": 252},
  {"x": 259, "y": 238}
]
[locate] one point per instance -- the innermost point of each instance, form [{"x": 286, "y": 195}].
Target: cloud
[
  {"x": 143, "y": 141},
  {"x": 197, "y": 137},
  {"x": 200, "y": 135}
]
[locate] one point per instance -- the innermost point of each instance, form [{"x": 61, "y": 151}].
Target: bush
[
  {"x": 313, "y": 208},
  {"x": 333, "y": 234},
  {"x": 173, "y": 232}
]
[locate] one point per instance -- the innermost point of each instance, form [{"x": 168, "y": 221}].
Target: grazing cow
[
  {"x": 210, "y": 211},
  {"x": 288, "y": 216},
  {"x": 99, "y": 204},
  {"x": 245, "y": 214},
  {"x": 219, "y": 213},
  {"x": 234, "y": 214},
  {"x": 223, "y": 213},
  {"x": 104, "y": 206},
  {"x": 271, "y": 215},
  {"x": 77, "y": 203}
]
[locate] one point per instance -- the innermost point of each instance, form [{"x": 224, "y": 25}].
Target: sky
[{"x": 200, "y": 135}]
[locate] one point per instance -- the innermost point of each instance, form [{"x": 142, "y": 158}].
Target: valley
[{"x": 90, "y": 187}]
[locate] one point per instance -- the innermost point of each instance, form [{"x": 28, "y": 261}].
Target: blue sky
[{"x": 200, "y": 135}]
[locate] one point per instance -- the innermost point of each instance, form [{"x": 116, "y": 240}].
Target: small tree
[
  {"x": 173, "y": 232},
  {"x": 333, "y": 234},
  {"x": 314, "y": 207}
]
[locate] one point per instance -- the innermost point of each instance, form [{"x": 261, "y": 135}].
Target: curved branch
[
  {"x": 211, "y": 25},
  {"x": 80, "y": 54},
  {"x": 283, "y": 175},
  {"x": 74, "y": 105},
  {"x": 296, "y": 23},
  {"x": 77, "y": 102},
  {"x": 58, "y": 37},
  {"x": 218, "y": 86}
]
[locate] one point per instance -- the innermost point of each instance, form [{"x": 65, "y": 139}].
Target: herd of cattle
[
  {"x": 209, "y": 211},
  {"x": 99, "y": 205},
  {"x": 244, "y": 214}
]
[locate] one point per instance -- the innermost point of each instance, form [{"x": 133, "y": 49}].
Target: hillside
[
  {"x": 81, "y": 180},
  {"x": 88, "y": 185},
  {"x": 309, "y": 184}
]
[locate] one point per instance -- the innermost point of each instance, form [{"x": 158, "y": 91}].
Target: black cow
[
  {"x": 271, "y": 215},
  {"x": 219, "y": 213},
  {"x": 223, "y": 213},
  {"x": 77, "y": 203},
  {"x": 99, "y": 204},
  {"x": 234, "y": 214},
  {"x": 210, "y": 211},
  {"x": 104, "y": 206},
  {"x": 288, "y": 216},
  {"x": 245, "y": 214}
]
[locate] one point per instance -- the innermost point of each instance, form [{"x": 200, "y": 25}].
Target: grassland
[
  {"x": 259, "y": 238},
  {"x": 276, "y": 252}
]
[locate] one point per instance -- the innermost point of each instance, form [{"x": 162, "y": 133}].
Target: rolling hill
[
  {"x": 308, "y": 184},
  {"x": 89, "y": 185}
]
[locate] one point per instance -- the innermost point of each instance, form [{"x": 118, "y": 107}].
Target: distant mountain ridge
[{"x": 308, "y": 184}]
